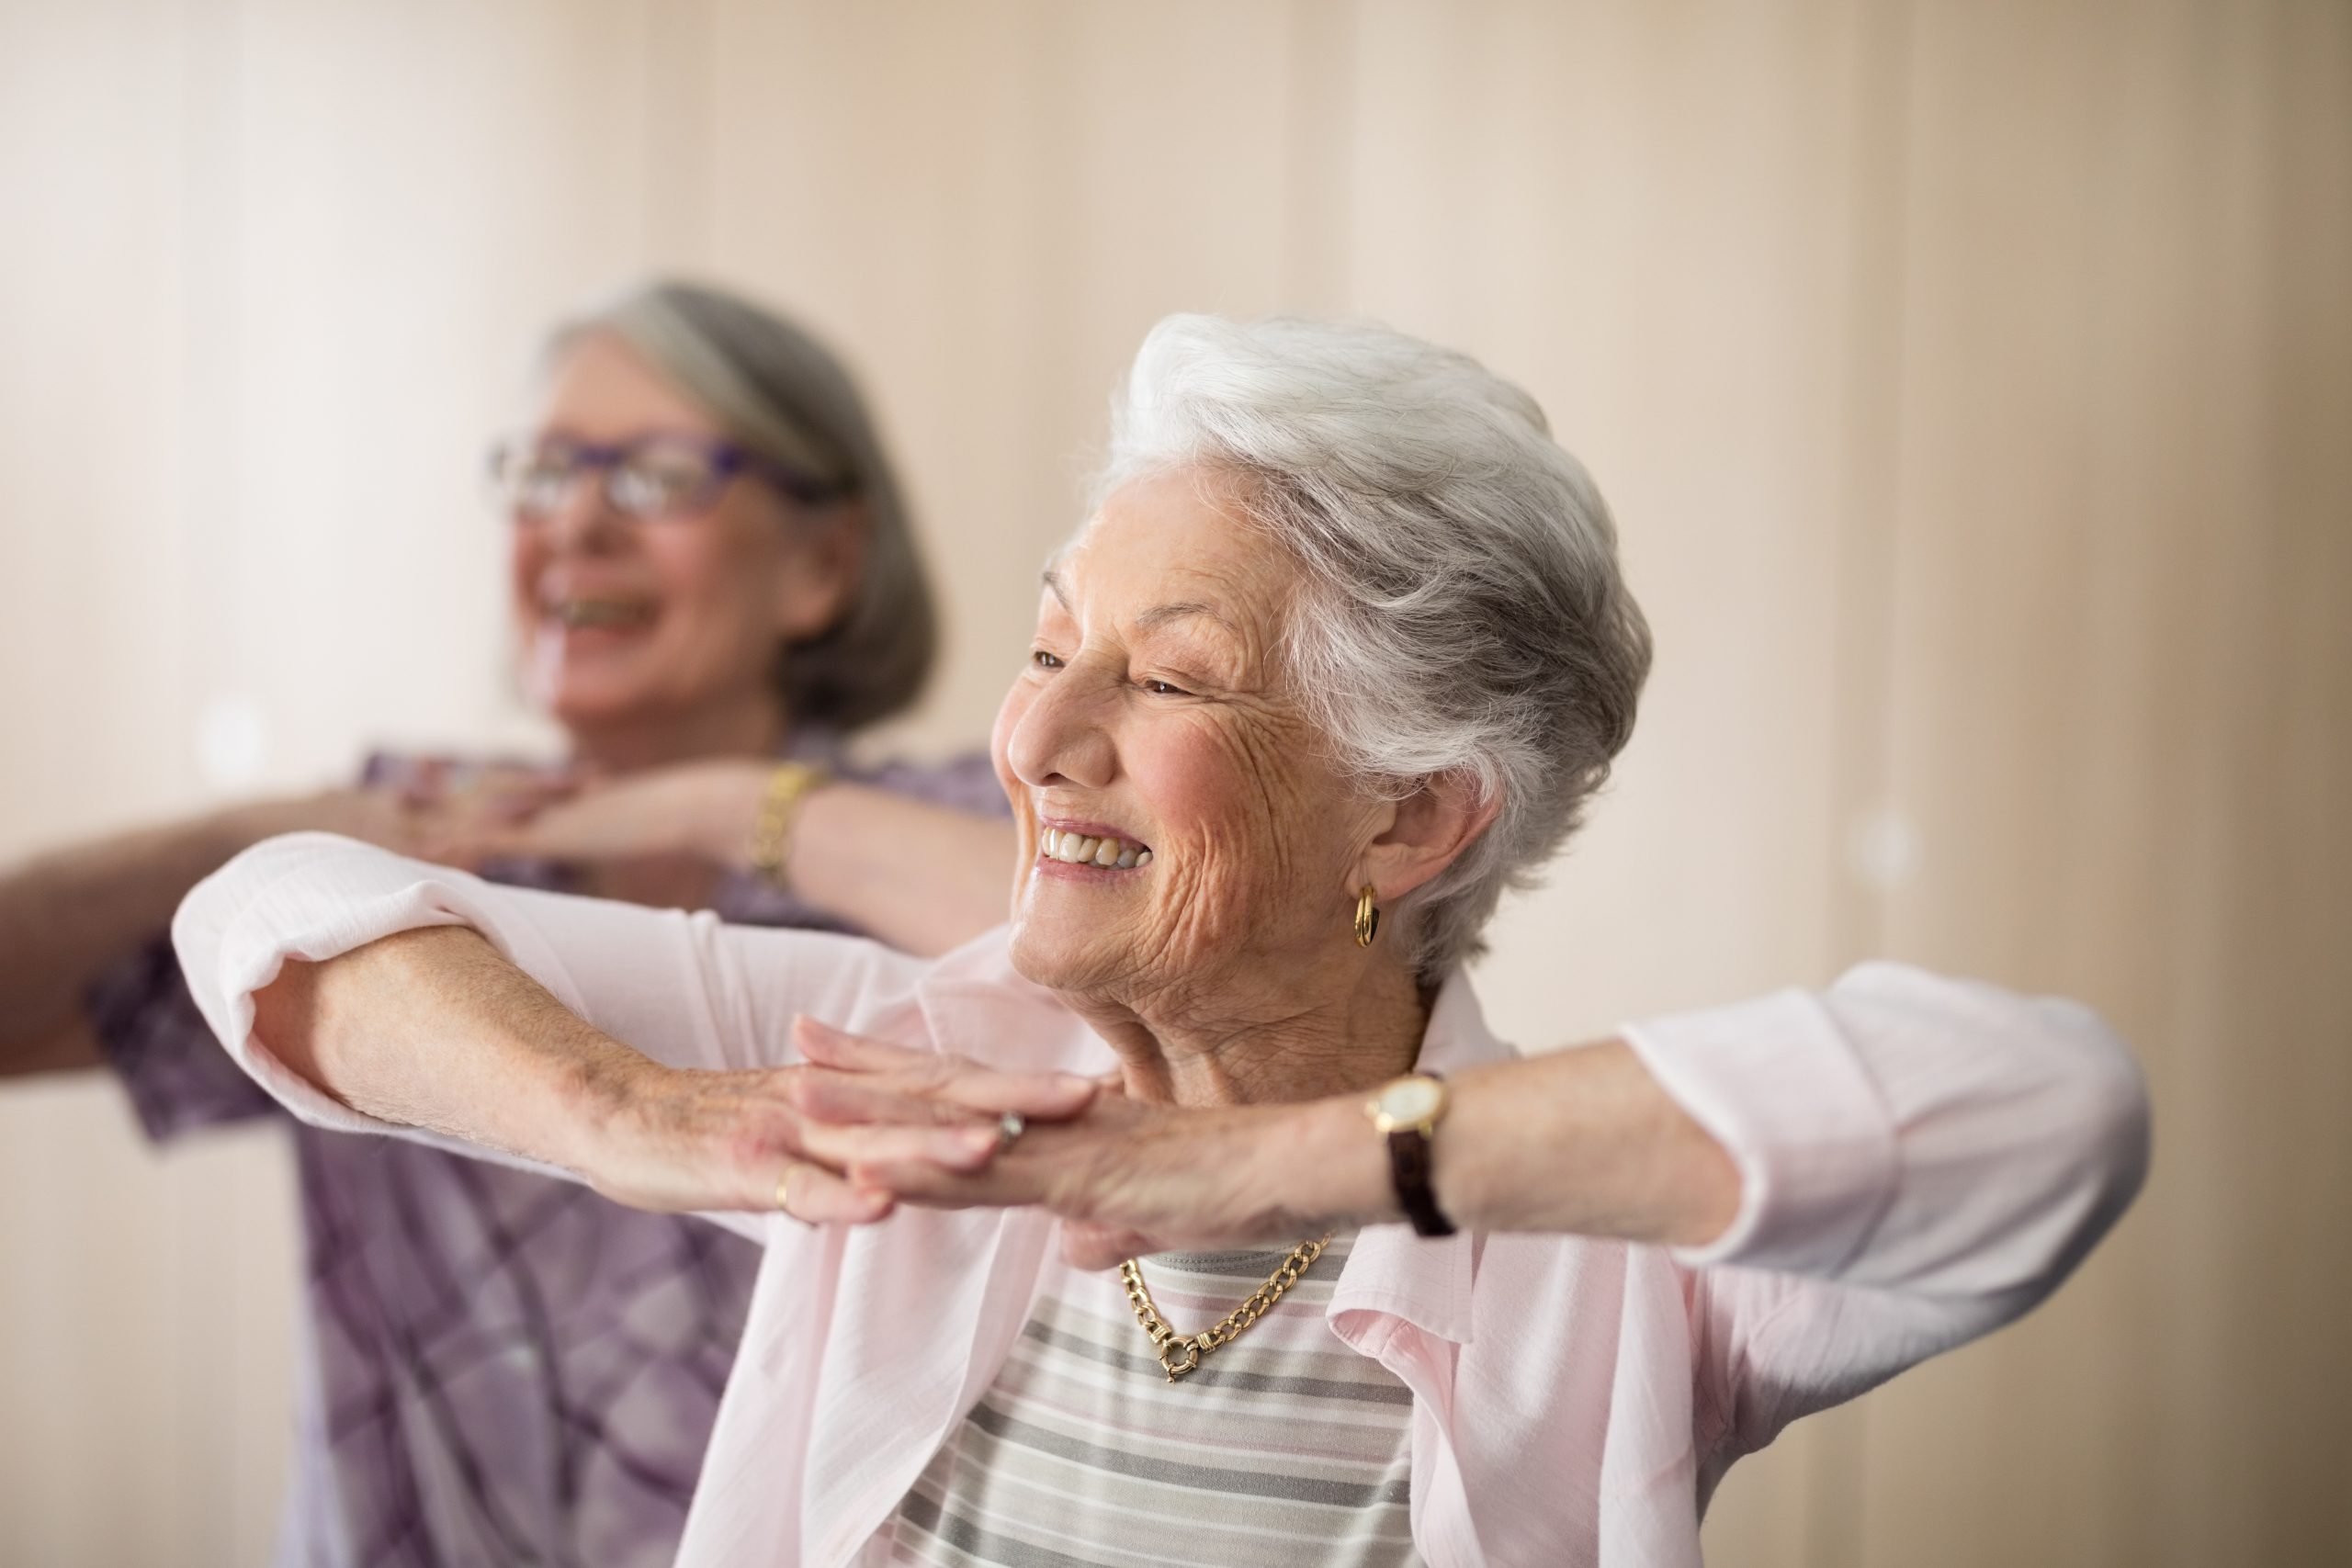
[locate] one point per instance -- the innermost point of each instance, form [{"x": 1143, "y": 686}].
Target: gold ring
[{"x": 784, "y": 1187}]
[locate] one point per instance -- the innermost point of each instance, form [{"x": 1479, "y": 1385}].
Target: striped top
[{"x": 1284, "y": 1449}]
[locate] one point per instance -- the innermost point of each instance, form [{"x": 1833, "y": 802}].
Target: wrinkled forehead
[{"x": 1175, "y": 541}]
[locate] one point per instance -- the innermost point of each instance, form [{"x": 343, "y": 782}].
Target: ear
[
  {"x": 822, "y": 563},
  {"x": 1428, "y": 830}
]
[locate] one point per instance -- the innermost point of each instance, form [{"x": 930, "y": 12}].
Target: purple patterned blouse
[{"x": 498, "y": 1369}]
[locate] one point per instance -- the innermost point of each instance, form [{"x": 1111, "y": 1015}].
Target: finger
[
  {"x": 830, "y": 1048},
  {"x": 425, "y": 783},
  {"x": 511, "y": 800},
  {"x": 950, "y": 1148},
  {"x": 935, "y": 1187},
  {"x": 825, "y": 1094},
  {"x": 522, "y": 805},
  {"x": 495, "y": 776},
  {"x": 1088, "y": 1246},
  {"x": 1043, "y": 1097},
  {"x": 939, "y": 1089},
  {"x": 973, "y": 1085},
  {"x": 815, "y": 1196}
]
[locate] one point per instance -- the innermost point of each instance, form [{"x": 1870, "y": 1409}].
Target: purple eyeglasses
[{"x": 651, "y": 478}]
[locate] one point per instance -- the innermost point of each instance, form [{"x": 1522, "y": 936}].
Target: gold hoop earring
[{"x": 1367, "y": 917}]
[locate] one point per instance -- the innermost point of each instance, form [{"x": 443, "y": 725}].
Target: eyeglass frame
[{"x": 726, "y": 459}]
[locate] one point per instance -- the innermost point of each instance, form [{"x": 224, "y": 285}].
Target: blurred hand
[
  {"x": 1126, "y": 1177},
  {"x": 700, "y": 811},
  {"x": 435, "y": 813}
]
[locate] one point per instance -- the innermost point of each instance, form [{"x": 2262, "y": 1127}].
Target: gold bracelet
[{"x": 771, "y": 844}]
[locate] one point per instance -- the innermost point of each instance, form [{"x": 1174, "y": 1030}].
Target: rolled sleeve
[
  {"x": 1921, "y": 1160},
  {"x": 685, "y": 989},
  {"x": 309, "y": 897},
  {"x": 1775, "y": 1083},
  {"x": 1906, "y": 1130}
]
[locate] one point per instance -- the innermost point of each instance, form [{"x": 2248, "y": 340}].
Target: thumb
[{"x": 1088, "y": 1245}]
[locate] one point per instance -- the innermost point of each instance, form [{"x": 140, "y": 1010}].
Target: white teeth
[
  {"x": 1081, "y": 848},
  {"x": 577, "y": 613}
]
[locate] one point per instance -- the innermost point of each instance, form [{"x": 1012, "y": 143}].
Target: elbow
[
  {"x": 2025, "y": 1136},
  {"x": 2079, "y": 1158},
  {"x": 2103, "y": 1120}
]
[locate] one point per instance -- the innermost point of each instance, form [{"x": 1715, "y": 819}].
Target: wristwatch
[{"x": 1406, "y": 1112}]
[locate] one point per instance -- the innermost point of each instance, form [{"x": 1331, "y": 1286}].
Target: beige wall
[{"x": 1971, "y": 381}]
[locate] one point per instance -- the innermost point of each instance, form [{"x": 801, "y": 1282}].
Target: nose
[
  {"x": 1062, "y": 736},
  {"x": 584, "y": 521}
]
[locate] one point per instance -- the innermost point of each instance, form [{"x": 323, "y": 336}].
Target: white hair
[{"x": 1464, "y": 613}]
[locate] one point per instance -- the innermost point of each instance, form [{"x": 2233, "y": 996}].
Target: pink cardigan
[{"x": 1923, "y": 1160}]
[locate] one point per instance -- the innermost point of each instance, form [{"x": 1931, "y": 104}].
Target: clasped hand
[{"x": 863, "y": 1125}]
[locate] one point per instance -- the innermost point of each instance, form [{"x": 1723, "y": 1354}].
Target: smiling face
[
  {"x": 1153, "y": 714},
  {"x": 671, "y": 622}
]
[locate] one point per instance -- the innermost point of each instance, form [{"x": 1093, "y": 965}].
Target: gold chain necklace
[{"x": 1178, "y": 1353}]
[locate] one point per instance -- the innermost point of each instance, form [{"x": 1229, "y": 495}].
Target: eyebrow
[{"x": 1159, "y": 614}]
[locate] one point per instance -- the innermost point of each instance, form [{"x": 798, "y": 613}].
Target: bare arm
[
  {"x": 67, "y": 915},
  {"x": 434, "y": 1029},
  {"x": 1900, "y": 1130},
  {"x": 1871, "y": 1175},
  {"x": 1850, "y": 1181},
  {"x": 646, "y": 1052},
  {"x": 923, "y": 878},
  {"x": 431, "y": 1027},
  {"x": 1582, "y": 1141}
]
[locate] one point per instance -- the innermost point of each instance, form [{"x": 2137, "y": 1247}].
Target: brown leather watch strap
[{"x": 1408, "y": 1168}]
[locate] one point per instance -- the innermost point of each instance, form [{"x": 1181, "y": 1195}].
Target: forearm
[
  {"x": 434, "y": 1029},
  {"x": 923, "y": 878},
  {"x": 1581, "y": 1141},
  {"x": 66, "y": 915}
]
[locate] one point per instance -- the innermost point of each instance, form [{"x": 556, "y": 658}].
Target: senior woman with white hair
[{"x": 1342, "y": 653}]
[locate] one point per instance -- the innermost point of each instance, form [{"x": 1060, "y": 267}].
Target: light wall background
[{"x": 1973, "y": 383}]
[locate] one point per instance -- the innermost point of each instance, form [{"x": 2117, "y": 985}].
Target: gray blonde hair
[
  {"x": 784, "y": 396},
  {"x": 1464, "y": 613}
]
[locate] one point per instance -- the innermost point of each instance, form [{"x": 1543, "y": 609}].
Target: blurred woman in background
[{"x": 714, "y": 581}]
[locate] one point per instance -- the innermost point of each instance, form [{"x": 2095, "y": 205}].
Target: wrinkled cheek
[
  {"x": 1234, "y": 870},
  {"x": 1211, "y": 903}
]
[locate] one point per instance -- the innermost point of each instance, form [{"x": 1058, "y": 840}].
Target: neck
[
  {"x": 1272, "y": 1042},
  {"x": 752, "y": 726}
]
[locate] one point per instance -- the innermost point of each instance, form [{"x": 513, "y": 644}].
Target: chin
[
  {"x": 1046, "y": 952},
  {"x": 589, "y": 708}
]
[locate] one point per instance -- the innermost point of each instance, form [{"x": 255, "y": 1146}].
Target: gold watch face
[{"x": 1408, "y": 1102}]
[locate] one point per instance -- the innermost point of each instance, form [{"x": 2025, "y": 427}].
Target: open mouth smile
[{"x": 1101, "y": 849}]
